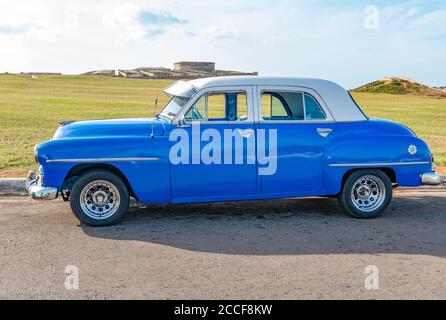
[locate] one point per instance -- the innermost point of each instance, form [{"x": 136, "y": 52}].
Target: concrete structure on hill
[
  {"x": 194, "y": 66},
  {"x": 181, "y": 70}
]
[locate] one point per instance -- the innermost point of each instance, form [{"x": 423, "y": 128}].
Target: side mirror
[{"x": 182, "y": 123}]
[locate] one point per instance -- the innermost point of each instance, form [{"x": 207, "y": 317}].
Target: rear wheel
[
  {"x": 366, "y": 193},
  {"x": 99, "y": 198}
]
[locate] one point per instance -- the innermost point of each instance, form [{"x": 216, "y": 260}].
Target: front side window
[
  {"x": 286, "y": 105},
  {"x": 198, "y": 110},
  {"x": 216, "y": 106},
  {"x": 242, "y": 107},
  {"x": 222, "y": 106}
]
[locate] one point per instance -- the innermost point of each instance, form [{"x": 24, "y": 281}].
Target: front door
[
  {"x": 220, "y": 158},
  {"x": 304, "y": 129}
]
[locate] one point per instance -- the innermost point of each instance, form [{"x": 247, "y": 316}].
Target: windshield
[{"x": 173, "y": 107}]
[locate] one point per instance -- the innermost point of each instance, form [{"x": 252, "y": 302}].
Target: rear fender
[{"x": 388, "y": 152}]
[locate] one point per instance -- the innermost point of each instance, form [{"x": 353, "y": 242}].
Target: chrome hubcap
[
  {"x": 368, "y": 193},
  {"x": 100, "y": 199}
]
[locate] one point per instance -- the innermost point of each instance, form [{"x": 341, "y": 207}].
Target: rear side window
[
  {"x": 312, "y": 109},
  {"x": 273, "y": 107},
  {"x": 282, "y": 106},
  {"x": 286, "y": 105}
]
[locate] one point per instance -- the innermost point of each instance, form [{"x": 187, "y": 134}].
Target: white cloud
[
  {"x": 430, "y": 19},
  {"x": 121, "y": 22},
  {"x": 216, "y": 33}
]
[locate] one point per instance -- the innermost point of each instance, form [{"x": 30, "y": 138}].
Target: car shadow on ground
[{"x": 413, "y": 224}]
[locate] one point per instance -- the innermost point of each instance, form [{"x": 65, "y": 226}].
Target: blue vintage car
[{"x": 233, "y": 138}]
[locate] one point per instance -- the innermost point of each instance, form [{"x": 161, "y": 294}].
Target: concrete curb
[
  {"x": 16, "y": 187},
  {"x": 12, "y": 187},
  {"x": 441, "y": 187}
]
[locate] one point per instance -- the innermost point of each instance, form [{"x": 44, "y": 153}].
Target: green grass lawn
[{"x": 30, "y": 111}]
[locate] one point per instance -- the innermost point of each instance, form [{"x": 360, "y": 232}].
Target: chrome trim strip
[
  {"x": 377, "y": 164},
  {"x": 101, "y": 160}
]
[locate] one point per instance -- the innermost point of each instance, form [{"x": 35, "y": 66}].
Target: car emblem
[{"x": 412, "y": 149}]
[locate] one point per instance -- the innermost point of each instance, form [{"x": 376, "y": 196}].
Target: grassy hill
[
  {"x": 400, "y": 86},
  {"x": 31, "y": 109}
]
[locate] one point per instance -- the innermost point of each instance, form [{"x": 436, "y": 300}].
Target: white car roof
[{"x": 336, "y": 98}]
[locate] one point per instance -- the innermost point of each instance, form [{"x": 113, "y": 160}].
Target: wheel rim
[
  {"x": 368, "y": 193},
  {"x": 100, "y": 199}
]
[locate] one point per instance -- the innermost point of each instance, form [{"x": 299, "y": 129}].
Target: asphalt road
[{"x": 291, "y": 249}]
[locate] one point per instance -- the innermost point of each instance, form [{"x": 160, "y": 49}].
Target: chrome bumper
[
  {"x": 35, "y": 189},
  {"x": 432, "y": 178}
]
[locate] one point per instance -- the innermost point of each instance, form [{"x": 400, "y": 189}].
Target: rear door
[{"x": 304, "y": 130}]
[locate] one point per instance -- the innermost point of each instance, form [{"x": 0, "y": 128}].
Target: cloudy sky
[{"x": 351, "y": 42}]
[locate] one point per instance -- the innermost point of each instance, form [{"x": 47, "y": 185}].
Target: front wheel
[
  {"x": 366, "y": 193},
  {"x": 99, "y": 198}
]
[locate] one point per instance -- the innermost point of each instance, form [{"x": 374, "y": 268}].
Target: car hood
[{"x": 111, "y": 127}]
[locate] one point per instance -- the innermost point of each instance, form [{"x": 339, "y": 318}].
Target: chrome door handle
[
  {"x": 324, "y": 132},
  {"x": 245, "y": 133}
]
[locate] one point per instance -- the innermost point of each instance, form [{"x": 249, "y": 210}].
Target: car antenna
[{"x": 156, "y": 103}]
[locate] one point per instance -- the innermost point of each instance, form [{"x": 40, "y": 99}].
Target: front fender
[{"x": 141, "y": 160}]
